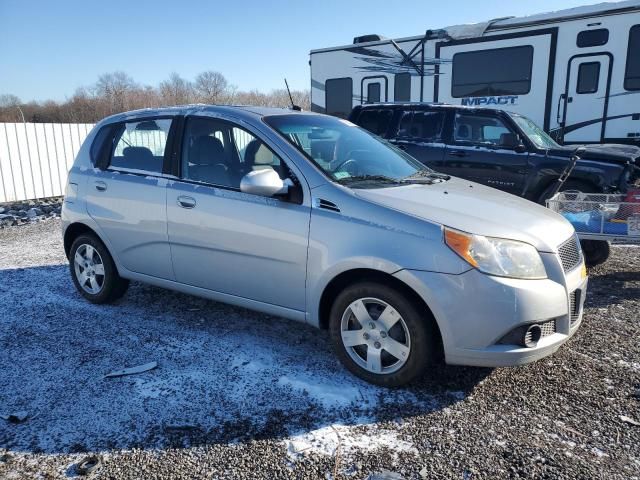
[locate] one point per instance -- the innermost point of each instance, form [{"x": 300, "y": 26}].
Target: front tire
[
  {"x": 381, "y": 336},
  {"x": 595, "y": 252},
  {"x": 94, "y": 272}
]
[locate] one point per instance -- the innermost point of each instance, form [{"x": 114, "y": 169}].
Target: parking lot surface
[{"x": 238, "y": 394}]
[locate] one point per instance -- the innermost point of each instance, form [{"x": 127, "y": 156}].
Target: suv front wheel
[
  {"x": 93, "y": 271},
  {"x": 380, "y": 335}
]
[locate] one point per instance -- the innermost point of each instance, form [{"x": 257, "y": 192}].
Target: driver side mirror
[
  {"x": 512, "y": 140},
  {"x": 265, "y": 182}
]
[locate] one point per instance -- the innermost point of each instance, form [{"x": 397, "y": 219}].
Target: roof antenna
[{"x": 293, "y": 105}]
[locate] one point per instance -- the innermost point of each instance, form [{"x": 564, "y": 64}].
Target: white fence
[{"x": 35, "y": 158}]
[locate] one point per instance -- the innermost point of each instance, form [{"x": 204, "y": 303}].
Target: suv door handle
[
  {"x": 100, "y": 186},
  {"x": 458, "y": 153},
  {"x": 186, "y": 202}
]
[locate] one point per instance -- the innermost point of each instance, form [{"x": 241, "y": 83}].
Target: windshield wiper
[
  {"x": 427, "y": 175},
  {"x": 368, "y": 178}
]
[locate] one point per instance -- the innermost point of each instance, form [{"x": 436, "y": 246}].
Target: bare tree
[
  {"x": 176, "y": 90},
  {"x": 9, "y": 100},
  {"x": 211, "y": 87},
  {"x": 116, "y": 92},
  {"x": 115, "y": 89}
]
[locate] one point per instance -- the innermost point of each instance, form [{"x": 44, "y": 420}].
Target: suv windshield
[
  {"x": 539, "y": 137},
  {"x": 347, "y": 153}
]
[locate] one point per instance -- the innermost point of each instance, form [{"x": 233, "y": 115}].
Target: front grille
[
  {"x": 574, "y": 305},
  {"x": 548, "y": 328},
  {"x": 570, "y": 254}
]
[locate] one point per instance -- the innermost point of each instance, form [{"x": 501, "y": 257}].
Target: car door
[
  {"x": 126, "y": 195},
  {"x": 231, "y": 242},
  {"x": 420, "y": 135},
  {"x": 485, "y": 149}
]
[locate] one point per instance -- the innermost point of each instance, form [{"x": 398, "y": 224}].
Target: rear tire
[
  {"x": 381, "y": 336},
  {"x": 94, "y": 272},
  {"x": 595, "y": 252}
]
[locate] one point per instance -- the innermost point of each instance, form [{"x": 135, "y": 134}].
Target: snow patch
[
  {"x": 326, "y": 440},
  {"x": 327, "y": 394}
]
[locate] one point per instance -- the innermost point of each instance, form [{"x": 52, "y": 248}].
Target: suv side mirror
[
  {"x": 512, "y": 140},
  {"x": 265, "y": 182},
  {"x": 520, "y": 148}
]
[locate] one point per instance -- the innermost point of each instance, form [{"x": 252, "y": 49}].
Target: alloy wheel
[
  {"x": 375, "y": 335},
  {"x": 89, "y": 269}
]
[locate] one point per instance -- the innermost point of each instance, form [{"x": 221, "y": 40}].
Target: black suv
[{"x": 497, "y": 148}]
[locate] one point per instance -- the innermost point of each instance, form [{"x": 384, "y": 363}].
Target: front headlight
[{"x": 497, "y": 256}]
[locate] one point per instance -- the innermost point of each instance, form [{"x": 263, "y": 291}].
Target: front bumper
[{"x": 475, "y": 311}]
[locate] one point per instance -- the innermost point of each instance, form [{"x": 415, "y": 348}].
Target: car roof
[{"x": 240, "y": 111}]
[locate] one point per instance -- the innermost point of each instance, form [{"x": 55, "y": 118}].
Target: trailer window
[
  {"x": 632, "y": 72},
  {"x": 402, "y": 87},
  {"x": 373, "y": 93},
  {"x": 339, "y": 96},
  {"x": 500, "y": 71},
  {"x": 588, "y": 77},
  {"x": 592, "y": 38}
]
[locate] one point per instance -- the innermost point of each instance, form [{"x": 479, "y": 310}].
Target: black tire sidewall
[
  {"x": 113, "y": 286},
  {"x": 595, "y": 252},
  {"x": 420, "y": 326}
]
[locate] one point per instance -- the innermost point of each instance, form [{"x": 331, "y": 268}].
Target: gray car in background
[{"x": 311, "y": 218}]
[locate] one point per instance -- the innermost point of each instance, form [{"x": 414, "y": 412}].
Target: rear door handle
[
  {"x": 100, "y": 186},
  {"x": 458, "y": 153},
  {"x": 186, "y": 202}
]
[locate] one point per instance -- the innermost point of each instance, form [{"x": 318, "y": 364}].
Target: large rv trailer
[{"x": 576, "y": 72}]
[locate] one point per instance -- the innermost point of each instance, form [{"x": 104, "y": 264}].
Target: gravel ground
[{"x": 239, "y": 394}]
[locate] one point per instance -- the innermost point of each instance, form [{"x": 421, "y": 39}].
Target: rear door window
[
  {"x": 140, "y": 146},
  {"x": 422, "y": 125},
  {"x": 376, "y": 121}
]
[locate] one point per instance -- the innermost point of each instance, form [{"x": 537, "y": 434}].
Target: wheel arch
[
  {"x": 349, "y": 277},
  {"x": 76, "y": 229}
]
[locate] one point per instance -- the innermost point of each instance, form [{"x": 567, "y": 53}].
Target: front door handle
[
  {"x": 186, "y": 202},
  {"x": 100, "y": 186},
  {"x": 458, "y": 153}
]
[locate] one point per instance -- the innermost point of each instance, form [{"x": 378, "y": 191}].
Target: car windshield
[
  {"x": 347, "y": 153},
  {"x": 539, "y": 137}
]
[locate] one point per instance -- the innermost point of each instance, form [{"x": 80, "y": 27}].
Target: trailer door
[
  {"x": 585, "y": 98},
  {"x": 509, "y": 72},
  {"x": 373, "y": 90}
]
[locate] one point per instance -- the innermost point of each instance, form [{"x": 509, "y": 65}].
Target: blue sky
[{"x": 49, "y": 48}]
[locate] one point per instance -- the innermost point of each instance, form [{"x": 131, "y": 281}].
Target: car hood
[
  {"x": 474, "y": 208},
  {"x": 607, "y": 152}
]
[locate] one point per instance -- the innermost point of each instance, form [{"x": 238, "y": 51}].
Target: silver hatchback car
[{"x": 311, "y": 218}]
